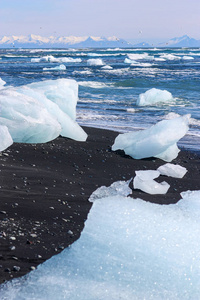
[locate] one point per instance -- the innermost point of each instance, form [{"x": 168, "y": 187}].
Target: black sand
[{"x": 44, "y": 191}]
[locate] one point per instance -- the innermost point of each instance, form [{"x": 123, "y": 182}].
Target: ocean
[{"x": 111, "y": 80}]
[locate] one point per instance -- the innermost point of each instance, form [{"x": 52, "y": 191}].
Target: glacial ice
[
  {"x": 157, "y": 141},
  {"x": 40, "y": 112},
  {"x": 27, "y": 120},
  {"x": 117, "y": 188},
  {"x": 5, "y": 138},
  {"x": 129, "y": 249},
  {"x": 154, "y": 96},
  {"x": 58, "y": 68},
  {"x": 2, "y": 83},
  {"x": 172, "y": 170},
  {"x": 95, "y": 62},
  {"x": 144, "y": 181},
  {"x": 63, "y": 92}
]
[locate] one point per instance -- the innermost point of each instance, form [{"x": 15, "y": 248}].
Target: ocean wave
[
  {"x": 168, "y": 56},
  {"x": 82, "y": 72},
  {"x": 94, "y": 84},
  {"x": 136, "y": 56},
  {"x": 105, "y": 54},
  {"x": 95, "y": 62},
  {"x": 52, "y": 59},
  {"x": 119, "y": 72},
  {"x": 173, "y": 115}
]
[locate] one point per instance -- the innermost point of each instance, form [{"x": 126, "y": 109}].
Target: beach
[{"x": 45, "y": 190}]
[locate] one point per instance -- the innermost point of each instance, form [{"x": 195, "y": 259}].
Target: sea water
[{"x": 111, "y": 81}]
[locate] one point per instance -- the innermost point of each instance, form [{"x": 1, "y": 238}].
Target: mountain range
[{"x": 37, "y": 41}]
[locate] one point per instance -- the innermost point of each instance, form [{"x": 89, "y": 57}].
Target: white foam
[
  {"x": 52, "y": 59},
  {"x": 94, "y": 84},
  {"x": 186, "y": 57},
  {"x": 107, "y": 67},
  {"x": 58, "y": 68},
  {"x": 135, "y": 56},
  {"x": 95, "y": 62},
  {"x": 168, "y": 56}
]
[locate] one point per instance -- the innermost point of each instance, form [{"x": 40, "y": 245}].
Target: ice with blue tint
[
  {"x": 58, "y": 68},
  {"x": 5, "y": 138},
  {"x": 160, "y": 140},
  {"x": 172, "y": 170},
  {"x": 154, "y": 96},
  {"x": 117, "y": 188},
  {"x": 40, "y": 112},
  {"x": 129, "y": 249},
  {"x": 144, "y": 181}
]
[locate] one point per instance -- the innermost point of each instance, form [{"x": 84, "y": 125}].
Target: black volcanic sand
[{"x": 44, "y": 191}]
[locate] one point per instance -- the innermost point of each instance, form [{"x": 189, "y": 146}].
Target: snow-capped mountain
[
  {"x": 183, "y": 41},
  {"x": 34, "y": 41}
]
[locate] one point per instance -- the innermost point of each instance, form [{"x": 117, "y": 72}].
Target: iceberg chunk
[
  {"x": 144, "y": 181},
  {"x": 154, "y": 96},
  {"x": 117, "y": 188},
  {"x": 27, "y": 120},
  {"x": 69, "y": 127},
  {"x": 63, "y": 92},
  {"x": 157, "y": 141},
  {"x": 5, "y": 138},
  {"x": 172, "y": 170},
  {"x": 39, "y": 112}
]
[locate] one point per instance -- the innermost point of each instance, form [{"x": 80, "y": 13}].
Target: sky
[{"x": 133, "y": 20}]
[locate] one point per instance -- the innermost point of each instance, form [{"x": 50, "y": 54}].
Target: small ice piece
[
  {"x": 144, "y": 181},
  {"x": 157, "y": 141},
  {"x": 95, "y": 62},
  {"x": 154, "y": 96},
  {"x": 5, "y": 138},
  {"x": 2, "y": 83},
  {"x": 116, "y": 188},
  {"x": 58, "y": 68},
  {"x": 172, "y": 170}
]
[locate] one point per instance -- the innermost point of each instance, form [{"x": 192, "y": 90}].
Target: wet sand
[{"x": 44, "y": 191}]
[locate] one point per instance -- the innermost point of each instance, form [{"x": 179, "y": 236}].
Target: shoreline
[{"x": 45, "y": 190}]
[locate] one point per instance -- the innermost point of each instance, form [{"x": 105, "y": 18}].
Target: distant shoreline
[{"x": 45, "y": 190}]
